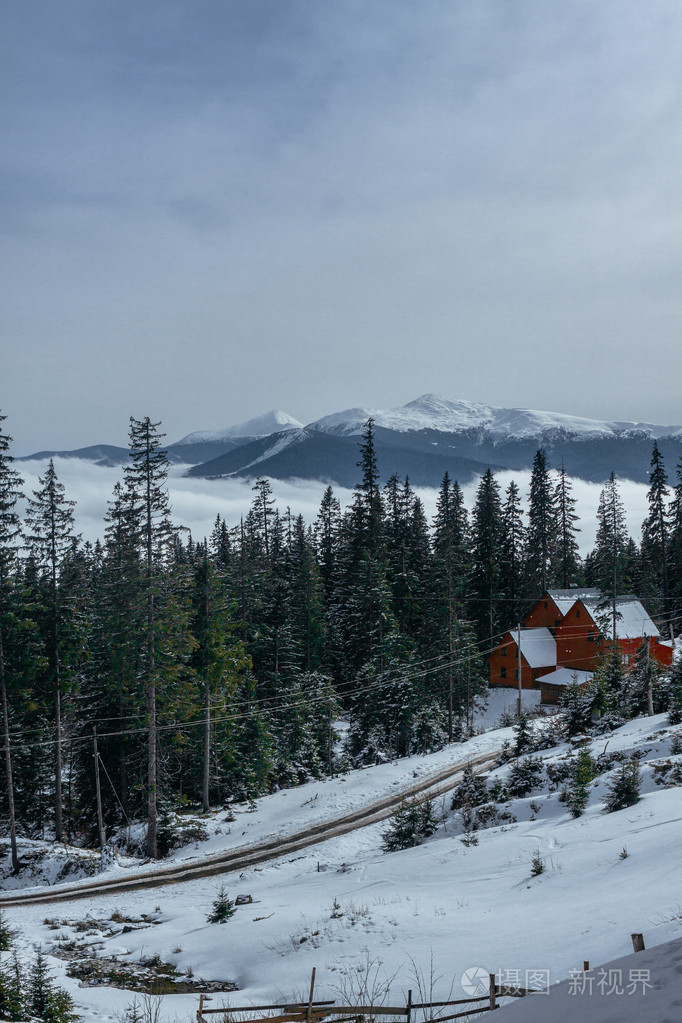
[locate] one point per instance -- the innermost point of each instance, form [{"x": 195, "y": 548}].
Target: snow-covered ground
[{"x": 355, "y": 912}]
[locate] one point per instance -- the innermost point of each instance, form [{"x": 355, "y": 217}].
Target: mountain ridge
[{"x": 423, "y": 439}]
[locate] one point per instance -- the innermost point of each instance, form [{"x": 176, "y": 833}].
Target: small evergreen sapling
[
  {"x": 537, "y": 865},
  {"x": 582, "y": 774},
  {"x": 410, "y": 825},
  {"x": 6, "y": 934},
  {"x": 623, "y": 791},
  {"x": 525, "y": 774},
  {"x": 222, "y": 908}
]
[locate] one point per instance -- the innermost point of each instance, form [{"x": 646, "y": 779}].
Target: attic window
[
  {"x": 577, "y": 612},
  {"x": 503, "y": 651},
  {"x": 546, "y": 603}
]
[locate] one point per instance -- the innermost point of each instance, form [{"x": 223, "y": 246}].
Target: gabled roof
[
  {"x": 632, "y": 621},
  {"x": 538, "y": 646},
  {"x": 565, "y": 599}
]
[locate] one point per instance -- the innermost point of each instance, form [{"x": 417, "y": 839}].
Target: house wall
[
  {"x": 545, "y": 615},
  {"x": 504, "y": 663},
  {"x": 578, "y": 644}
]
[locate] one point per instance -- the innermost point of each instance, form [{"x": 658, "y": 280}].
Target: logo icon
[{"x": 475, "y": 982}]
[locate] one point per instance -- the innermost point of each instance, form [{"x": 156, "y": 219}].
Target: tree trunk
[
  {"x": 8, "y": 762},
  {"x": 207, "y": 749}
]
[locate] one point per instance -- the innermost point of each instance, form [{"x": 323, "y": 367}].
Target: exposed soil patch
[{"x": 91, "y": 968}]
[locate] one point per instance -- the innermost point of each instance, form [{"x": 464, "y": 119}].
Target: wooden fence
[{"x": 316, "y": 1012}]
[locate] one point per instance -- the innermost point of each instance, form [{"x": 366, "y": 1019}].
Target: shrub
[
  {"x": 623, "y": 790},
  {"x": 471, "y": 791},
  {"x": 537, "y": 865},
  {"x": 410, "y": 825},
  {"x": 581, "y": 775},
  {"x": 6, "y": 934},
  {"x": 525, "y": 775},
  {"x": 222, "y": 908}
]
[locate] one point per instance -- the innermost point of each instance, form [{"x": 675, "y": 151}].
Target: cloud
[
  {"x": 196, "y": 502},
  {"x": 312, "y": 206}
]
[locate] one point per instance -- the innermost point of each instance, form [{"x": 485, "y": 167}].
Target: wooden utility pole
[
  {"x": 649, "y": 680},
  {"x": 520, "y": 669},
  {"x": 98, "y": 791}
]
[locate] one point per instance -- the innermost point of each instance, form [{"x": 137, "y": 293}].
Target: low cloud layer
[{"x": 196, "y": 502}]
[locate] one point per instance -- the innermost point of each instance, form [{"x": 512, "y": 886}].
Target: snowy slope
[
  {"x": 355, "y": 912},
  {"x": 261, "y": 426}
]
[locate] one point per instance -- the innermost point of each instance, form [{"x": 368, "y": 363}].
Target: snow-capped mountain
[
  {"x": 422, "y": 439},
  {"x": 434, "y": 434},
  {"x": 261, "y": 426},
  {"x": 448, "y": 415}
]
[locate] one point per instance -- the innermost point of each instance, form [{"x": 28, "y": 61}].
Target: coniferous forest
[{"x": 200, "y": 671}]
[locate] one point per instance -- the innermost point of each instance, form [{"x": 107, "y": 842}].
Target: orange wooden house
[{"x": 564, "y": 637}]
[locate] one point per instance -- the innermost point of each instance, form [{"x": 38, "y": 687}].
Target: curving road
[{"x": 247, "y": 856}]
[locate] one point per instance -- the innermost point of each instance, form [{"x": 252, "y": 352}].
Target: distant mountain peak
[{"x": 274, "y": 421}]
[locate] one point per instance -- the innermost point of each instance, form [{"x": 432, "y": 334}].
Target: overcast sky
[{"x": 212, "y": 208}]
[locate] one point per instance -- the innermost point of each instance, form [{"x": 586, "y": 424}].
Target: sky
[{"x": 213, "y": 208}]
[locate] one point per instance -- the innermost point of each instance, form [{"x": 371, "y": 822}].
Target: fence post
[
  {"x": 409, "y": 1006},
  {"x": 637, "y": 942},
  {"x": 201, "y": 1009},
  {"x": 310, "y": 999},
  {"x": 493, "y": 1003}
]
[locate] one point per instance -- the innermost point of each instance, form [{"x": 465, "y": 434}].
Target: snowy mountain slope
[
  {"x": 355, "y": 912},
  {"x": 422, "y": 439},
  {"x": 448, "y": 415},
  {"x": 262, "y": 426}
]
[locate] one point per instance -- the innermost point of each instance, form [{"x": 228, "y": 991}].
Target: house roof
[
  {"x": 632, "y": 621},
  {"x": 538, "y": 646},
  {"x": 565, "y": 599},
  {"x": 565, "y": 676}
]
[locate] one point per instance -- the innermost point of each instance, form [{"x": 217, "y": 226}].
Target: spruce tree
[
  {"x": 10, "y": 492},
  {"x": 675, "y": 545},
  {"x": 656, "y": 527},
  {"x": 623, "y": 789},
  {"x": 146, "y": 476},
  {"x": 512, "y": 548},
  {"x": 49, "y": 538},
  {"x": 567, "y": 554},
  {"x": 582, "y": 773},
  {"x": 610, "y": 554},
  {"x": 541, "y": 535},
  {"x": 486, "y": 542}
]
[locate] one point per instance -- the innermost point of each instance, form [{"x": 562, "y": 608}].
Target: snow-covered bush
[
  {"x": 410, "y": 825},
  {"x": 623, "y": 790},
  {"x": 31, "y": 994},
  {"x": 471, "y": 791},
  {"x": 525, "y": 774},
  {"x": 582, "y": 774}
]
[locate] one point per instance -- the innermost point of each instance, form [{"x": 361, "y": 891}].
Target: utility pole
[
  {"x": 519, "y": 669},
  {"x": 649, "y": 680},
  {"x": 100, "y": 820}
]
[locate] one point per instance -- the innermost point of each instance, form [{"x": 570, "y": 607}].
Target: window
[
  {"x": 516, "y": 675},
  {"x": 546, "y": 603},
  {"x": 503, "y": 671},
  {"x": 590, "y": 637},
  {"x": 577, "y": 612},
  {"x": 503, "y": 651}
]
